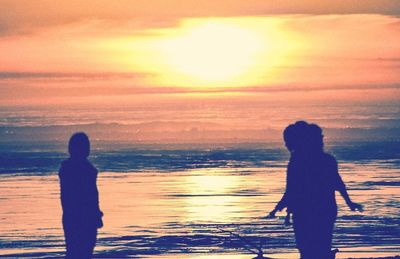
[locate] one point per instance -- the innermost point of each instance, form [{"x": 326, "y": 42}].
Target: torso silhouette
[
  {"x": 312, "y": 181},
  {"x": 311, "y": 184},
  {"x": 79, "y": 195},
  {"x": 80, "y": 203}
]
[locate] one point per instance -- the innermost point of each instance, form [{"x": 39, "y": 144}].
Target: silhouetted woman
[
  {"x": 292, "y": 137},
  {"x": 312, "y": 179},
  {"x": 79, "y": 199}
]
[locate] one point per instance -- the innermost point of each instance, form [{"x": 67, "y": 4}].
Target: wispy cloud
[
  {"x": 16, "y": 85},
  {"x": 65, "y": 76},
  {"x": 96, "y": 56},
  {"x": 23, "y": 16}
]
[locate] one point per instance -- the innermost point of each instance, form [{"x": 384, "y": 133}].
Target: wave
[
  {"x": 133, "y": 160},
  {"x": 42, "y": 159},
  {"x": 170, "y": 132}
]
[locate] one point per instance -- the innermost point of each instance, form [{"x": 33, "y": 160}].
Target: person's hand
[
  {"x": 99, "y": 221},
  {"x": 356, "y": 206},
  {"x": 287, "y": 220},
  {"x": 271, "y": 215}
]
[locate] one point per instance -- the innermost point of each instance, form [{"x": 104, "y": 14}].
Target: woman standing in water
[
  {"x": 312, "y": 179},
  {"x": 79, "y": 199},
  {"x": 291, "y": 136}
]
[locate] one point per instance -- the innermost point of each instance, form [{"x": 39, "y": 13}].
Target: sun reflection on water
[{"x": 211, "y": 197}]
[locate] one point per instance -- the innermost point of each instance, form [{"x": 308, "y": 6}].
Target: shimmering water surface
[
  {"x": 193, "y": 200},
  {"x": 191, "y": 211}
]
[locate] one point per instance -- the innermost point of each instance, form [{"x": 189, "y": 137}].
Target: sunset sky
[{"x": 54, "y": 52}]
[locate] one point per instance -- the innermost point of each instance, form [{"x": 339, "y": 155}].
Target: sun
[{"x": 210, "y": 54}]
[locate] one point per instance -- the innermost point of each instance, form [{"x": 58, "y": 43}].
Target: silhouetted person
[
  {"x": 312, "y": 179},
  {"x": 291, "y": 136},
  {"x": 79, "y": 199}
]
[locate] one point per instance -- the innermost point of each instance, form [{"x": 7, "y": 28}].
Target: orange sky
[{"x": 67, "y": 51}]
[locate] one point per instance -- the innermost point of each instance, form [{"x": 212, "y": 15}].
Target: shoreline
[{"x": 184, "y": 256}]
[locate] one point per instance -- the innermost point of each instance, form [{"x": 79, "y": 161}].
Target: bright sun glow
[
  {"x": 212, "y": 52},
  {"x": 220, "y": 52}
]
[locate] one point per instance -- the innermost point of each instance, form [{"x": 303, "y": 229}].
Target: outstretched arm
[
  {"x": 341, "y": 187},
  {"x": 279, "y": 206},
  {"x": 284, "y": 202},
  {"x": 352, "y": 205}
]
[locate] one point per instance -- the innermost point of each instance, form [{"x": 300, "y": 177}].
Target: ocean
[{"x": 195, "y": 181}]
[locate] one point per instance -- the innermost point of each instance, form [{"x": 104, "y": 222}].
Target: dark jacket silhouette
[{"x": 79, "y": 199}]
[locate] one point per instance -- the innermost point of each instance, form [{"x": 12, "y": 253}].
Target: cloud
[
  {"x": 67, "y": 76},
  {"x": 23, "y": 16},
  {"x": 327, "y": 50},
  {"x": 87, "y": 84},
  {"x": 340, "y": 54},
  {"x": 37, "y": 89}
]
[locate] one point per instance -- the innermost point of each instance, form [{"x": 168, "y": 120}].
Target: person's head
[
  {"x": 79, "y": 145},
  {"x": 294, "y": 134},
  {"x": 289, "y": 137},
  {"x": 315, "y": 138}
]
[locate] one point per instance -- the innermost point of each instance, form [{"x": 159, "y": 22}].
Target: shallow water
[{"x": 187, "y": 213}]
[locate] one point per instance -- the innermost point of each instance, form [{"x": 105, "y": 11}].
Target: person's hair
[
  {"x": 79, "y": 145},
  {"x": 289, "y": 137},
  {"x": 315, "y": 130},
  {"x": 294, "y": 134},
  {"x": 315, "y": 137}
]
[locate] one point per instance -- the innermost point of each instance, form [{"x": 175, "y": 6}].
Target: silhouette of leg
[
  {"x": 313, "y": 235},
  {"x": 323, "y": 235},
  {"x": 88, "y": 242},
  {"x": 318, "y": 236},
  {"x": 72, "y": 239},
  {"x": 302, "y": 232}
]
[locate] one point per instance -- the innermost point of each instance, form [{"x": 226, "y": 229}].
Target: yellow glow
[
  {"x": 219, "y": 52},
  {"x": 213, "y": 196},
  {"x": 212, "y": 52},
  {"x": 209, "y": 52}
]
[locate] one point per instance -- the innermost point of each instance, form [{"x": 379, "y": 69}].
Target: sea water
[{"x": 165, "y": 197}]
